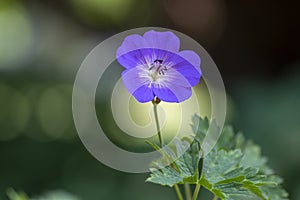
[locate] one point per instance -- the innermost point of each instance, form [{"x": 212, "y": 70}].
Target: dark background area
[{"x": 255, "y": 45}]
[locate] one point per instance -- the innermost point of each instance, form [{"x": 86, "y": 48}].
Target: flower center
[{"x": 157, "y": 69}]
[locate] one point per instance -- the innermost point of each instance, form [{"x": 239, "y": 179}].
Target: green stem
[
  {"x": 178, "y": 192},
  {"x": 198, "y": 186},
  {"x": 215, "y": 198},
  {"x": 188, "y": 192},
  {"x": 161, "y": 141}
]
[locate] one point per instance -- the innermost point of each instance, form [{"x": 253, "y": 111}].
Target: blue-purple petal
[
  {"x": 162, "y": 40},
  {"x": 136, "y": 85},
  {"x": 143, "y": 94},
  {"x": 133, "y": 59},
  {"x": 132, "y": 79},
  {"x": 190, "y": 67},
  {"x": 129, "y": 53},
  {"x": 191, "y": 57},
  {"x": 144, "y": 56},
  {"x": 131, "y": 43},
  {"x": 174, "y": 88},
  {"x": 172, "y": 94}
]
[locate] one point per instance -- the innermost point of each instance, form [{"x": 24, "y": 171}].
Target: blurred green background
[{"x": 43, "y": 42}]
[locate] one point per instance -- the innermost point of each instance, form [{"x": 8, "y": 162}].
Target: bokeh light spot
[
  {"x": 54, "y": 112},
  {"x": 103, "y": 11},
  {"x": 15, "y": 34},
  {"x": 15, "y": 112}
]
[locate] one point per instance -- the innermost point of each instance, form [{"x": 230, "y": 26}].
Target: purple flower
[{"x": 156, "y": 68}]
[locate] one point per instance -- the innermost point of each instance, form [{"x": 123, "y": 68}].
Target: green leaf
[
  {"x": 252, "y": 175},
  {"x": 274, "y": 193},
  {"x": 233, "y": 170},
  {"x": 53, "y": 195},
  {"x": 253, "y": 158},
  {"x": 13, "y": 195},
  {"x": 223, "y": 175},
  {"x": 200, "y": 127},
  {"x": 227, "y": 139},
  {"x": 56, "y": 195},
  {"x": 217, "y": 163},
  {"x": 252, "y": 152},
  {"x": 183, "y": 170}
]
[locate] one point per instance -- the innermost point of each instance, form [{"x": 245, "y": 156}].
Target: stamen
[
  {"x": 156, "y": 69},
  {"x": 157, "y": 60},
  {"x": 161, "y": 70}
]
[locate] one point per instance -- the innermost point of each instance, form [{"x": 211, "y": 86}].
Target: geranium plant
[{"x": 156, "y": 70}]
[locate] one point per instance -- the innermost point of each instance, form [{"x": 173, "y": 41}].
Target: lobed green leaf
[{"x": 233, "y": 170}]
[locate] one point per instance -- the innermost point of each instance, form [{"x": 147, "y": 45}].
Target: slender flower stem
[
  {"x": 198, "y": 186},
  {"x": 178, "y": 192},
  {"x": 161, "y": 140},
  {"x": 215, "y": 198},
  {"x": 188, "y": 193}
]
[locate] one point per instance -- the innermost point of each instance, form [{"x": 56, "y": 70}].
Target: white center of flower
[{"x": 156, "y": 70}]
